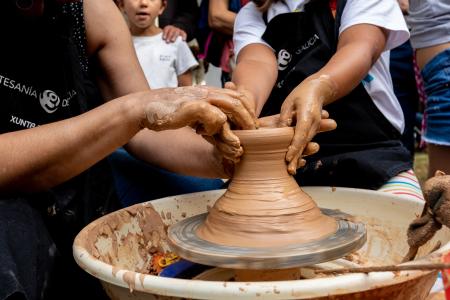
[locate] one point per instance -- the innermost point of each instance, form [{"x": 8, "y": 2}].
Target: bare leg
[{"x": 439, "y": 157}]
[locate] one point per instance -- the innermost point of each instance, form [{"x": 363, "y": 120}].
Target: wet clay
[
  {"x": 263, "y": 205},
  {"x": 126, "y": 239}
]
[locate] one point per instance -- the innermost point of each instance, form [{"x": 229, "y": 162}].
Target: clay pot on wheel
[{"x": 263, "y": 205}]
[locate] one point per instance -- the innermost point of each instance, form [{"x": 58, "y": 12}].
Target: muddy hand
[
  {"x": 200, "y": 115},
  {"x": 166, "y": 104},
  {"x": 248, "y": 102},
  {"x": 241, "y": 115},
  {"x": 436, "y": 213},
  {"x": 305, "y": 103},
  {"x": 225, "y": 141},
  {"x": 229, "y": 101},
  {"x": 204, "y": 109},
  {"x": 223, "y": 166},
  {"x": 436, "y": 191},
  {"x": 325, "y": 124},
  {"x": 237, "y": 109}
]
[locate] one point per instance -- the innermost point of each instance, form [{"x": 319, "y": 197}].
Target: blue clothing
[
  {"x": 137, "y": 181},
  {"x": 436, "y": 77}
]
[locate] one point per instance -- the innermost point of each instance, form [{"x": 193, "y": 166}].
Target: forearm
[
  {"x": 220, "y": 18},
  {"x": 42, "y": 157},
  {"x": 346, "y": 70},
  {"x": 353, "y": 60},
  {"x": 190, "y": 155},
  {"x": 256, "y": 72}
]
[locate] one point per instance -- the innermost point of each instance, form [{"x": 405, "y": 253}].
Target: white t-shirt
[
  {"x": 163, "y": 62},
  {"x": 250, "y": 26}
]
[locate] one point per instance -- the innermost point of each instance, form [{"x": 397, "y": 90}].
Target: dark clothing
[
  {"x": 404, "y": 81},
  {"x": 365, "y": 149},
  {"x": 26, "y": 251},
  {"x": 183, "y": 14},
  {"x": 45, "y": 78}
]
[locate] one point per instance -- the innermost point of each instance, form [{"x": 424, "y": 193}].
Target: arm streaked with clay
[
  {"x": 358, "y": 48},
  {"x": 254, "y": 77},
  {"x": 39, "y": 158}
]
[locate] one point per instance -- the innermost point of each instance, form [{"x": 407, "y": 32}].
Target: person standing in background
[
  {"x": 180, "y": 18},
  {"x": 429, "y": 21},
  {"x": 164, "y": 64},
  {"x": 216, "y": 34},
  {"x": 401, "y": 67}
]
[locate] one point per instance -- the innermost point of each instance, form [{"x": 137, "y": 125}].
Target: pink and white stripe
[{"x": 405, "y": 185}]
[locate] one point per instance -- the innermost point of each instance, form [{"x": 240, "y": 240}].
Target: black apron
[
  {"x": 364, "y": 151},
  {"x": 43, "y": 79}
]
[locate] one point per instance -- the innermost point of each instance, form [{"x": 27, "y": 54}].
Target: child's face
[{"x": 142, "y": 13}]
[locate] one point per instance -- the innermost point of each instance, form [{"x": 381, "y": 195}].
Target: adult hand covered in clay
[
  {"x": 206, "y": 109},
  {"x": 304, "y": 104},
  {"x": 436, "y": 212},
  {"x": 225, "y": 141}
]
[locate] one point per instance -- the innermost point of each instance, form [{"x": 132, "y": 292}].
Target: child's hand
[
  {"x": 325, "y": 124},
  {"x": 305, "y": 104}
]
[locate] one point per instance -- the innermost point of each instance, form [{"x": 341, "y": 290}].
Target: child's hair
[{"x": 263, "y": 5}]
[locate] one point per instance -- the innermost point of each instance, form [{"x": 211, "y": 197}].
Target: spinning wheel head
[{"x": 349, "y": 237}]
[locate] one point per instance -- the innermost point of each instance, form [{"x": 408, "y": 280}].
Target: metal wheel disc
[{"x": 349, "y": 237}]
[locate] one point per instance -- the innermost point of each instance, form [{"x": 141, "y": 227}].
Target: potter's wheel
[{"x": 348, "y": 237}]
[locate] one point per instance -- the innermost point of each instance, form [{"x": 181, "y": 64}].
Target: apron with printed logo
[
  {"x": 43, "y": 79},
  {"x": 364, "y": 151}
]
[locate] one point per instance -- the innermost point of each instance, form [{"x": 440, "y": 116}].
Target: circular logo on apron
[
  {"x": 49, "y": 101},
  {"x": 284, "y": 58}
]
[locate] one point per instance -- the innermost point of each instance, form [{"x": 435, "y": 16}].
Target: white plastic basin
[{"x": 116, "y": 249}]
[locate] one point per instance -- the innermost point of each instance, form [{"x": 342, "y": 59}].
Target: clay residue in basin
[
  {"x": 130, "y": 278},
  {"x": 126, "y": 239}
]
